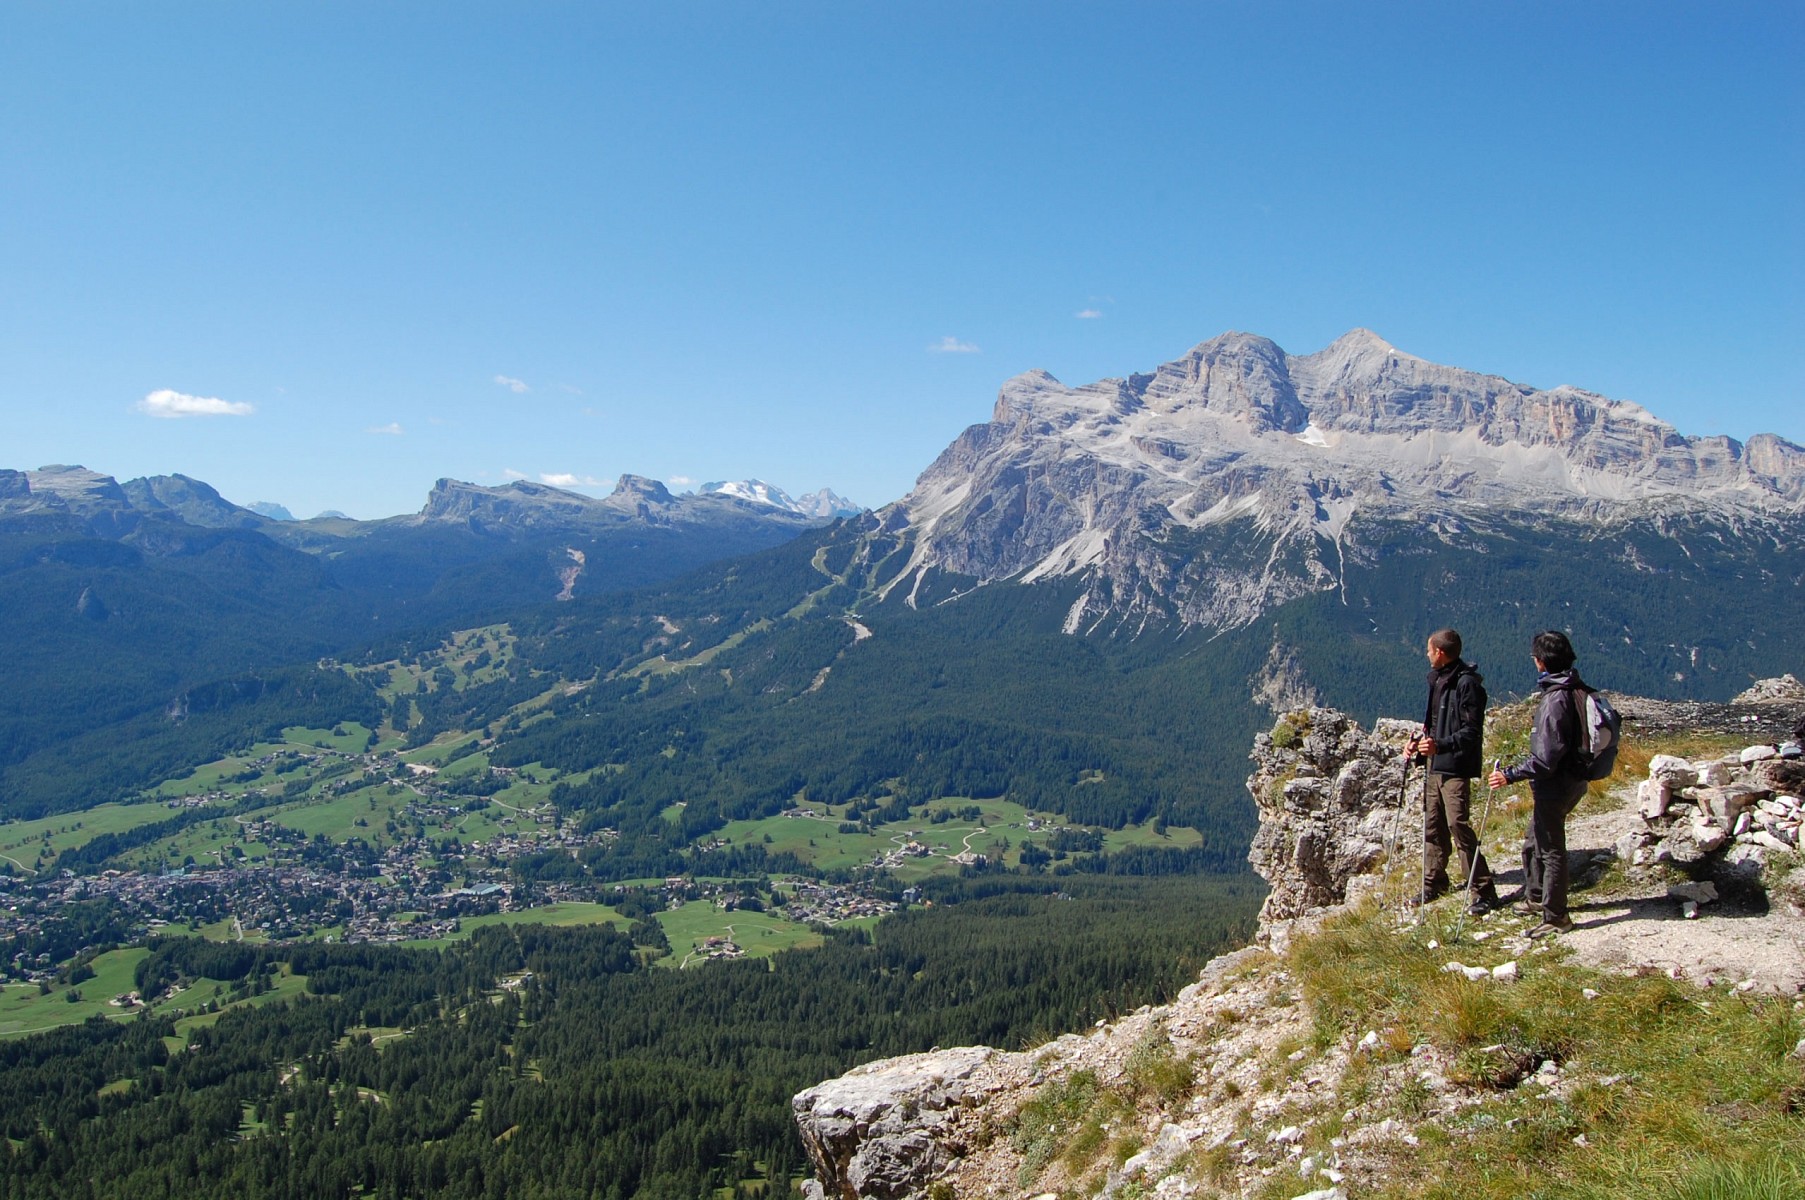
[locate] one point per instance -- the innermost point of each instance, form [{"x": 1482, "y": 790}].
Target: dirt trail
[{"x": 1638, "y": 925}]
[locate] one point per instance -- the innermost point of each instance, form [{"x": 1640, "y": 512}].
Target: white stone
[
  {"x": 1506, "y": 972},
  {"x": 1588, "y": 993},
  {"x": 1755, "y": 754},
  {"x": 1744, "y": 823},
  {"x": 1689, "y": 909},
  {"x": 1763, "y": 838},
  {"x": 1288, "y": 1135},
  {"x": 1477, "y": 973},
  {"x": 1652, "y": 798},
  {"x": 1708, "y": 834},
  {"x": 1672, "y": 769},
  {"x": 1370, "y": 1041},
  {"x": 1716, "y": 774}
]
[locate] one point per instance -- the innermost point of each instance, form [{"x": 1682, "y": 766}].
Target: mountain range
[
  {"x": 1236, "y": 530},
  {"x": 1127, "y": 484}
]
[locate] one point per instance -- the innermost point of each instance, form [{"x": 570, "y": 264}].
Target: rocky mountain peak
[
  {"x": 1292, "y": 453},
  {"x": 75, "y": 486},
  {"x": 823, "y": 503},
  {"x": 638, "y": 488},
  {"x": 193, "y": 501}
]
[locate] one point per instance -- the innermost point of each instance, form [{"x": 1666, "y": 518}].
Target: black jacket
[
  {"x": 1559, "y": 734},
  {"x": 1455, "y": 718}
]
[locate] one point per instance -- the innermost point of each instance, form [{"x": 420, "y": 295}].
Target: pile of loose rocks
[{"x": 1719, "y": 819}]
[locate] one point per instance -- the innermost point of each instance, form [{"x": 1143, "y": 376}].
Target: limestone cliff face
[{"x": 1332, "y": 802}]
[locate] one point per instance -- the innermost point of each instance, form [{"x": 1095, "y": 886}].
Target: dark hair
[
  {"x": 1447, "y": 641},
  {"x": 1553, "y": 648}
]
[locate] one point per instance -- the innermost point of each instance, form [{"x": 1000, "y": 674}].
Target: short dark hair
[
  {"x": 1447, "y": 641},
  {"x": 1553, "y": 648}
]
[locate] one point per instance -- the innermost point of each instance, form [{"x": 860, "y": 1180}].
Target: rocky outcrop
[
  {"x": 1329, "y": 795},
  {"x": 1332, "y": 802},
  {"x": 1261, "y": 1087},
  {"x": 884, "y": 1129},
  {"x": 1782, "y": 690}
]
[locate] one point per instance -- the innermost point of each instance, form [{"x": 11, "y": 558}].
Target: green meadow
[
  {"x": 32, "y": 845},
  {"x": 569, "y": 912},
  {"x": 999, "y": 832},
  {"x": 25, "y": 1009},
  {"x": 760, "y": 935}
]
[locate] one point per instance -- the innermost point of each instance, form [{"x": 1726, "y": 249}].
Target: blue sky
[{"x": 807, "y": 241}]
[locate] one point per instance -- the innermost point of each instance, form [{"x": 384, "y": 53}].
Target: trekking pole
[
  {"x": 1391, "y": 844},
  {"x": 1485, "y": 817},
  {"x": 1422, "y": 858}
]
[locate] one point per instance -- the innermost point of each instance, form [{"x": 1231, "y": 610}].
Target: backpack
[{"x": 1602, "y": 735}]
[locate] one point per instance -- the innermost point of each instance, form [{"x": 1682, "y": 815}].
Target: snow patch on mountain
[{"x": 823, "y": 503}]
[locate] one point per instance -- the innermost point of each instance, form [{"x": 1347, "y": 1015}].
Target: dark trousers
[
  {"x": 1447, "y": 825},
  {"x": 1545, "y": 843}
]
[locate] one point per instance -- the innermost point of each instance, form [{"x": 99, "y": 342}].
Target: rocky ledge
[{"x": 1331, "y": 799}]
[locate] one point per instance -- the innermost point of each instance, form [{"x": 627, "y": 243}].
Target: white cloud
[
  {"x": 517, "y": 386},
  {"x": 681, "y": 481},
  {"x": 570, "y": 389},
  {"x": 172, "y": 404},
  {"x": 564, "y": 479},
  {"x": 1089, "y": 314},
  {"x": 952, "y": 345},
  {"x": 393, "y": 428},
  {"x": 511, "y": 473}
]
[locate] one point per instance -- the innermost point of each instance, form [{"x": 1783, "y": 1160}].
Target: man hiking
[
  {"x": 1556, "y": 770},
  {"x": 1453, "y": 726}
]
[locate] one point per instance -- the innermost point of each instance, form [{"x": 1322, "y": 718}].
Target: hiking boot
[
  {"x": 1551, "y": 924},
  {"x": 1482, "y": 905},
  {"x": 1527, "y": 908}
]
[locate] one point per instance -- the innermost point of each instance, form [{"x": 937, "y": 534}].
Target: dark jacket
[
  {"x": 1559, "y": 734},
  {"x": 1455, "y": 718}
]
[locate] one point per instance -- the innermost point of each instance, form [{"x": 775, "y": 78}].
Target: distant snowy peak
[
  {"x": 755, "y": 490},
  {"x": 822, "y": 504},
  {"x": 827, "y": 504}
]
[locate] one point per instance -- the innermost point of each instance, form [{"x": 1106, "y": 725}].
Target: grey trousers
[
  {"x": 1545, "y": 843},
  {"x": 1447, "y": 825}
]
